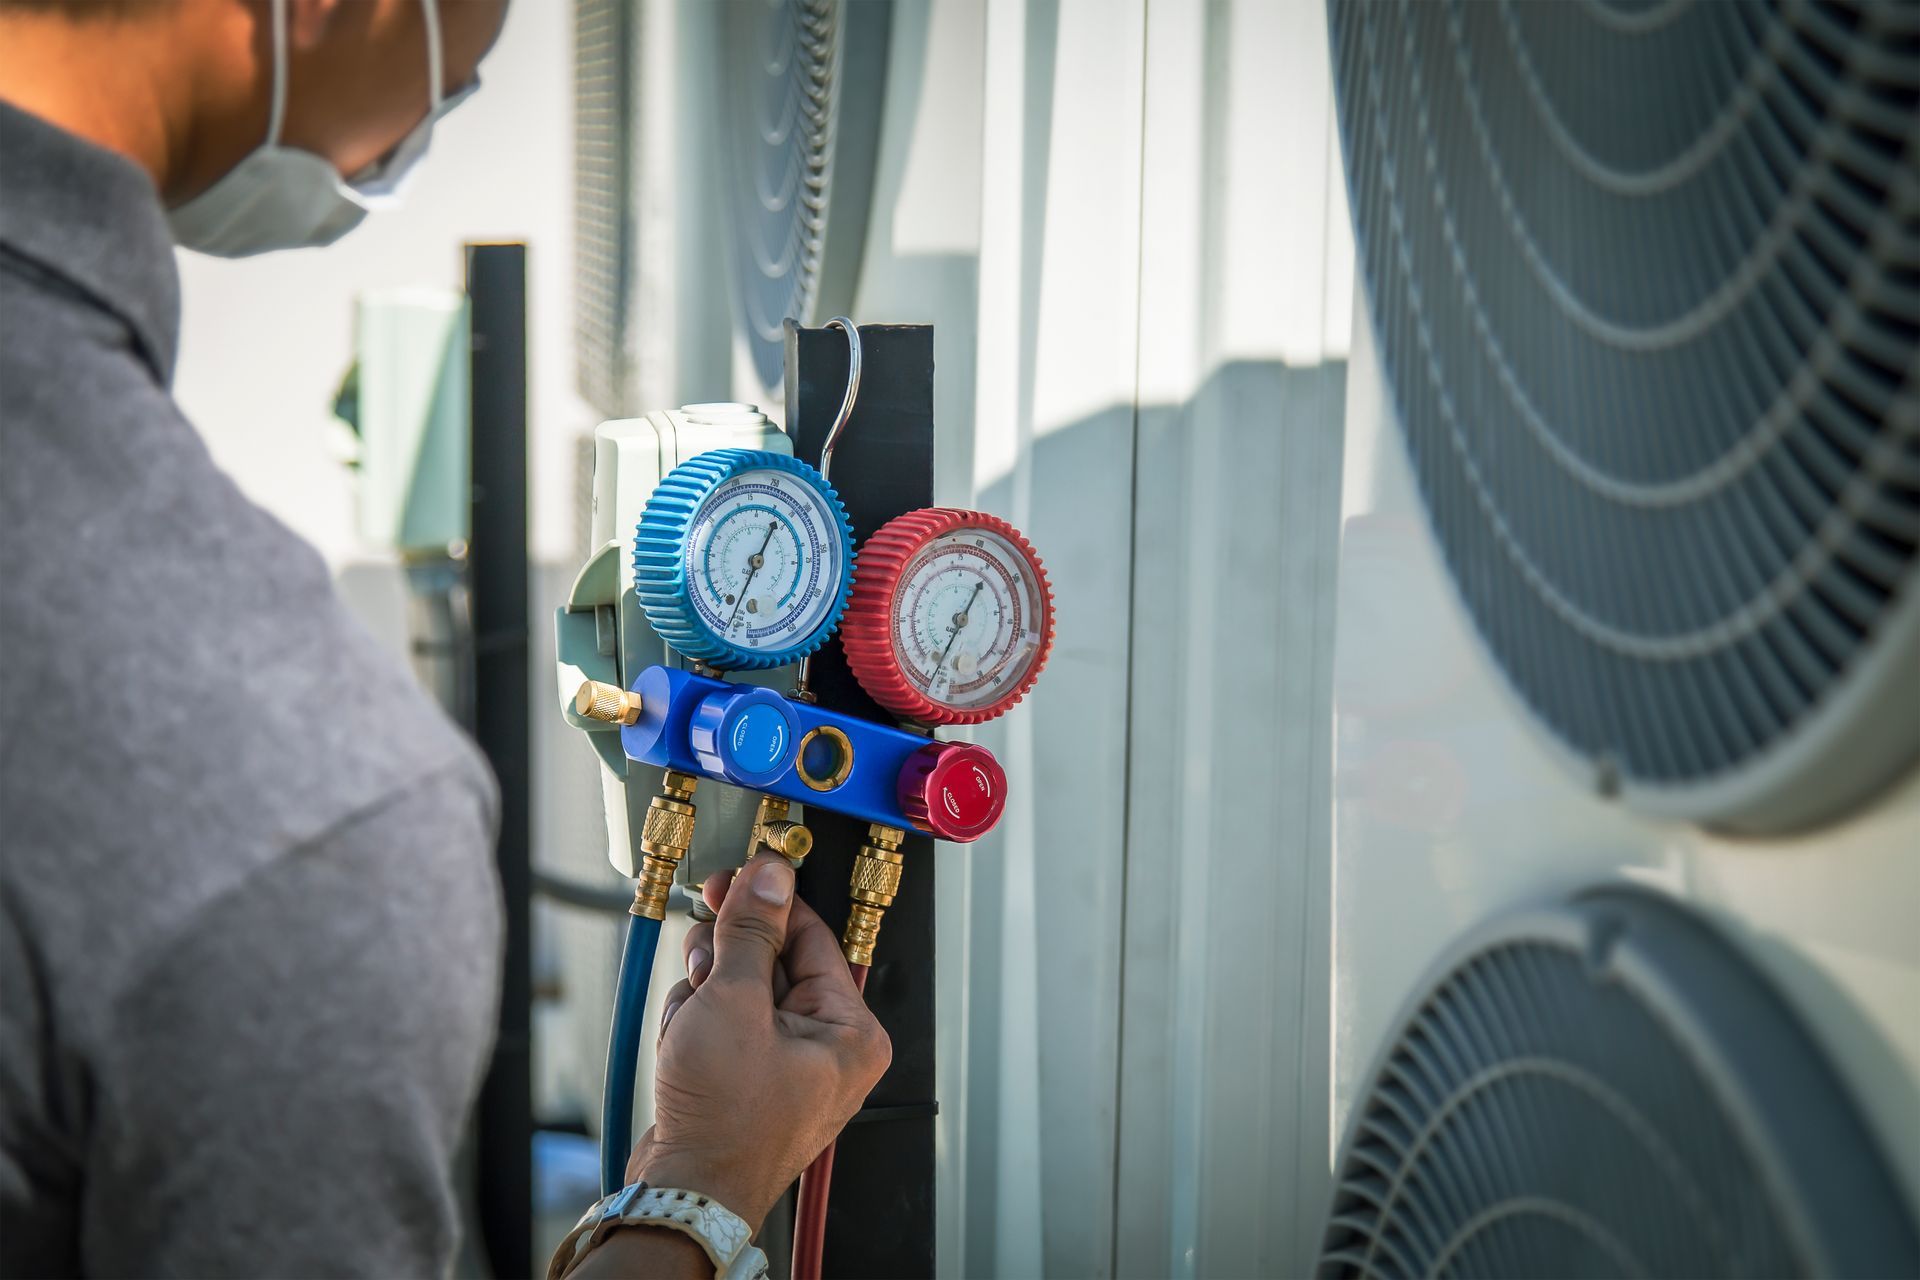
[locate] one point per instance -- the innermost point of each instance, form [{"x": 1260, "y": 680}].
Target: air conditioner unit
[
  {"x": 724, "y": 162},
  {"x": 1627, "y": 713}
]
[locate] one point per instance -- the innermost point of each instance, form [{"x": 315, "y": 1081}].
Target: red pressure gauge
[{"x": 951, "y": 618}]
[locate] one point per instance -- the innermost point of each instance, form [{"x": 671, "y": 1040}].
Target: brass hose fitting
[
  {"x": 608, "y": 703},
  {"x": 790, "y": 840},
  {"x": 664, "y": 841},
  {"x": 875, "y": 881},
  {"x": 771, "y": 828}
]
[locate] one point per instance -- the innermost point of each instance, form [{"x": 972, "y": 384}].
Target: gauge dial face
[
  {"x": 968, "y": 619},
  {"x": 764, "y": 561}
]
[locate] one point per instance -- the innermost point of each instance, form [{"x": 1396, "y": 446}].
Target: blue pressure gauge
[{"x": 743, "y": 559}]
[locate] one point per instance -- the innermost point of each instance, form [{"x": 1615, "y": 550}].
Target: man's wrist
[
  {"x": 739, "y": 1195},
  {"x": 639, "y": 1250}
]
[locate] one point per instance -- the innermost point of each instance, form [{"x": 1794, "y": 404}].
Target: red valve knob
[{"x": 953, "y": 790}]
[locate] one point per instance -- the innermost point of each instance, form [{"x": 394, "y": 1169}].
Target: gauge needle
[
  {"x": 960, "y": 621},
  {"x": 754, "y": 562}
]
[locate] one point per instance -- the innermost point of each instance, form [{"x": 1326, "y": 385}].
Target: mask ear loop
[
  {"x": 801, "y": 690},
  {"x": 436, "y": 53},
  {"x": 436, "y": 64},
  {"x": 277, "y": 113}
]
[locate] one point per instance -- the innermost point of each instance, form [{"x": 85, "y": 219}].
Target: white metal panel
[
  {"x": 922, "y": 265},
  {"x": 411, "y": 409},
  {"x": 1127, "y": 221},
  {"x": 1234, "y": 541},
  {"x": 1053, "y": 451},
  {"x": 683, "y": 339}
]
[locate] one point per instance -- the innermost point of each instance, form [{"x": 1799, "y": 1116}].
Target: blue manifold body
[{"x": 753, "y": 737}]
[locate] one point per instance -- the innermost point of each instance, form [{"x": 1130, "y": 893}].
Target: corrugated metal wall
[
  {"x": 1126, "y": 223},
  {"x": 1142, "y": 335}
]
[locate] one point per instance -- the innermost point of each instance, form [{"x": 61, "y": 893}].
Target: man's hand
[{"x": 766, "y": 1048}]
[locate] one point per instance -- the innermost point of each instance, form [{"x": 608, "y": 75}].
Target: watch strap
[{"x": 721, "y": 1233}]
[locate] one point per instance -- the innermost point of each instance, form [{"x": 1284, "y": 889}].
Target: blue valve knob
[{"x": 745, "y": 735}]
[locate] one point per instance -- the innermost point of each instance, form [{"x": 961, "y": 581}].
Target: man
[{"x": 248, "y": 927}]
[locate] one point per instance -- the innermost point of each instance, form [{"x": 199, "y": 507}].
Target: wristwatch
[{"x": 726, "y": 1238}]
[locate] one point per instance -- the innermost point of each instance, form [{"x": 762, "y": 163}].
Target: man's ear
[{"x": 308, "y": 20}]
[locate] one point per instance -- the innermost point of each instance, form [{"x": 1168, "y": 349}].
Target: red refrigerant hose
[{"x": 810, "y": 1216}]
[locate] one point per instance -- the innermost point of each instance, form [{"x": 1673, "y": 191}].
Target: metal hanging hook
[{"x": 853, "y": 391}]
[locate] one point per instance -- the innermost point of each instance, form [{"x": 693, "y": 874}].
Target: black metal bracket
[
  {"x": 503, "y": 1122},
  {"x": 879, "y": 1115},
  {"x": 880, "y": 1217}
]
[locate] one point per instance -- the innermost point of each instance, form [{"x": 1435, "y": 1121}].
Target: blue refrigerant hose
[{"x": 623, "y": 1052}]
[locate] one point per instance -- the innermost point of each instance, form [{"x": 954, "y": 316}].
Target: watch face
[{"x": 763, "y": 560}]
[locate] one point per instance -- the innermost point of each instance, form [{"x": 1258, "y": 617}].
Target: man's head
[{"x": 191, "y": 81}]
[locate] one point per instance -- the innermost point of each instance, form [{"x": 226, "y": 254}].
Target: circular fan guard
[
  {"x": 1609, "y": 1089},
  {"x": 1645, "y": 280},
  {"x": 804, "y": 84}
]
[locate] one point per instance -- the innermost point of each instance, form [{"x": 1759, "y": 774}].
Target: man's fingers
[
  {"x": 752, "y": 928},
  {"x": 677, "y": 995},
  {"x": 814, "y": 961},
  {"x": 713, "y": 890},
  {"x": 813, "y": 953},
  {"x": 698, "y": 952}
]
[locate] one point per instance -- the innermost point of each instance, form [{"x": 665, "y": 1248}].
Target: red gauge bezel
[{"x": 866, "y": 633}]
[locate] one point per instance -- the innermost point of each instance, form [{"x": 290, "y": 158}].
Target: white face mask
[{"x": 285, "y": 198}]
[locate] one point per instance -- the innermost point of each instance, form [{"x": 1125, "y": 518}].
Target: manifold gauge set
[
  {"x": 741, "y": 565},
  {"x": 744, "y": 560}
]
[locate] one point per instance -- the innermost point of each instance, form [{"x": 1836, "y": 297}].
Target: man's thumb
[{"x": 752, "y": 927}]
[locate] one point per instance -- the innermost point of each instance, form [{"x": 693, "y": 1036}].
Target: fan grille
[
  {"x": 805, "y": 90},
  {"x": 1646, "y": 284},
  {"x": 603, "y": 52},
  {"x": 1609, "y": 1091}
]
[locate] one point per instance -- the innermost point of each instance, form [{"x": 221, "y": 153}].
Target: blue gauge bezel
[{"x": 660, "y": 581}]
